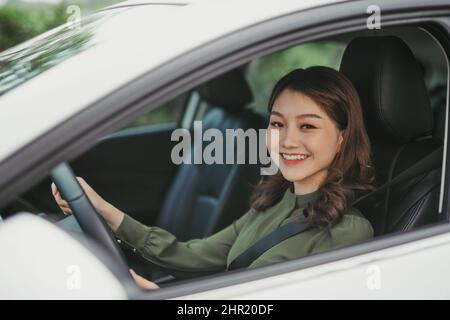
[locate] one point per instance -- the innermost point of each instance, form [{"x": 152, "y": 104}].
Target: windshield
[{"x": 25, "y": 61}]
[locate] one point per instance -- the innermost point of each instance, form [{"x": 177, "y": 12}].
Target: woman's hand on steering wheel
[
  {"x": 111, "y": 214},
  {"x": 143, "y": 283}
]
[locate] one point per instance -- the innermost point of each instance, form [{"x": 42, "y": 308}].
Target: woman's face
[{"x": 308, "y": 140}]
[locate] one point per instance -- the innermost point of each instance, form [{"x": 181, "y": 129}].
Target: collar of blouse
[{"x": 300, "y": 201}]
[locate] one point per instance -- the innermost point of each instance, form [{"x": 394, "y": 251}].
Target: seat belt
[{"x": 294, "y": 227}]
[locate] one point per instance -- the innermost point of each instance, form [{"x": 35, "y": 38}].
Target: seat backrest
[
  {"x": 439, "y": 121},
  {"x": 203, "y": 197},
  {"x": 399, "y": 120}
]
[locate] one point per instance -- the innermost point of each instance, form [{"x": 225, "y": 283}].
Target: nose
[{"x": 290, "y": 138}]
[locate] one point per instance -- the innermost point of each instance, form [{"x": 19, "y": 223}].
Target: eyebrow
[{"x": 301, "y": 116}]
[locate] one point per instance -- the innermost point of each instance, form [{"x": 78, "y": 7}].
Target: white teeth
[{"x": 294, "y": 156}]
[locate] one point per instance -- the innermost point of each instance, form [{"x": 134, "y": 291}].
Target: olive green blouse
[{"x": 216, "y": 252}]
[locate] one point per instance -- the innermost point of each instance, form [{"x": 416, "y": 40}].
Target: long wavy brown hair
[{"x": 351, "y": 172}]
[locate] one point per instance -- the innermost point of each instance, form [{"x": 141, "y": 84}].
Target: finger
[
  {"x": 63, "y": 203},
  {"x": 134, "y": 274},
  {"x": 80, "y": 179},
  {"x": 64, "y": 208},
  {"x": 142, "y": 282},
  {"x": 83, "y": 184},
  {"x": 56, "y": 195},
  {"x": 56, "y": 192},
  {"x": 58, "y": 198},
  {"x": 54, "y": 189},
  {"x": 67, "y": 212}
]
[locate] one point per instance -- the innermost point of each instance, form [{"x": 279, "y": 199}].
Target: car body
[{"x": 72, "y": 86}]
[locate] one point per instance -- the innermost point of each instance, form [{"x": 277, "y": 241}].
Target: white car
[{"x": 105, "y": 94}]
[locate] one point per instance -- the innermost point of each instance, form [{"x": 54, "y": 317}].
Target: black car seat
[
  {"x": 205, "y": 198},
  {"x": 439, "y": 121},
  {"x": 399, "y": 121}
]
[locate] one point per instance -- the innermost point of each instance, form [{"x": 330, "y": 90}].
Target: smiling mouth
[{"x": 293, "y": 158}]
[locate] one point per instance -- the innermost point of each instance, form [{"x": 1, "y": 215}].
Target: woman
[{"x": 323, "y": 155}]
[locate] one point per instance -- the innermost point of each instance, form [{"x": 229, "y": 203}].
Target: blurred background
[{"x": 23, "y": 19}]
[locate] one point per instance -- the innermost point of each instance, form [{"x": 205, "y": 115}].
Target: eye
[
  {"x": 276, "y": 124},
  {"x": 307, "y": 126}
]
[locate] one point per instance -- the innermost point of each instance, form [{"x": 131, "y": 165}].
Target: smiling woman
[
  {"x": 314, "y": 191},
  {"x": 323, "y": 143}
]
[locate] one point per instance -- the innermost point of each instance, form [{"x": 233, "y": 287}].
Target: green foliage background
[
  {"x": 264, "y": 72},
  {"x": 20, "y": 22}
]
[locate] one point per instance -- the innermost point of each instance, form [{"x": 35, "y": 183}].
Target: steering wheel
[{"x": 89, "y": 219}]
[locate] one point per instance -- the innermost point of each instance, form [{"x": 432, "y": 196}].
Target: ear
[{"x": 340, "y": 140}]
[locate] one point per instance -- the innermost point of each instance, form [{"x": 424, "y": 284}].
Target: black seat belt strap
[
  {"x": 282, "y": 233},
  {"x": 424, "y": 165}
]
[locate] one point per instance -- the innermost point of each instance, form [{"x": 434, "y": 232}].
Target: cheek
[
  {"x": 273, "y": 140},
  {"x": 331, "y": 146},
  {"x": 323, "y": 146}
]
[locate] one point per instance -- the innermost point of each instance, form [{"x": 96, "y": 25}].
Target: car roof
[
  {"x": 109, "y": 57},
  {"x": 236, "y": 4}
]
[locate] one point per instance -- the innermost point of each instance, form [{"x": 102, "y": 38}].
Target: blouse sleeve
[
  {"x": 194, "y": 257},
  {"x": 353, "y": 229}
]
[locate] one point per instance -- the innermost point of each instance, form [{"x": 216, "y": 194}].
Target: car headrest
[
  {"x": 391, "y": 87},
  {"x": 229, "y": 91}
]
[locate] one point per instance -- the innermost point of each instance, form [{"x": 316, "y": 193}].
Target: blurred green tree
[
  {"x": 264, "y": 72},
  {"x": 18, "y": 24}
]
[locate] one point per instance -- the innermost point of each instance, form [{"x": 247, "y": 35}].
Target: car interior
[{"x": 400, "y": 74}]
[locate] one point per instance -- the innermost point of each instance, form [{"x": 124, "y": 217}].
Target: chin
[{"x": 292, "y": 177}]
